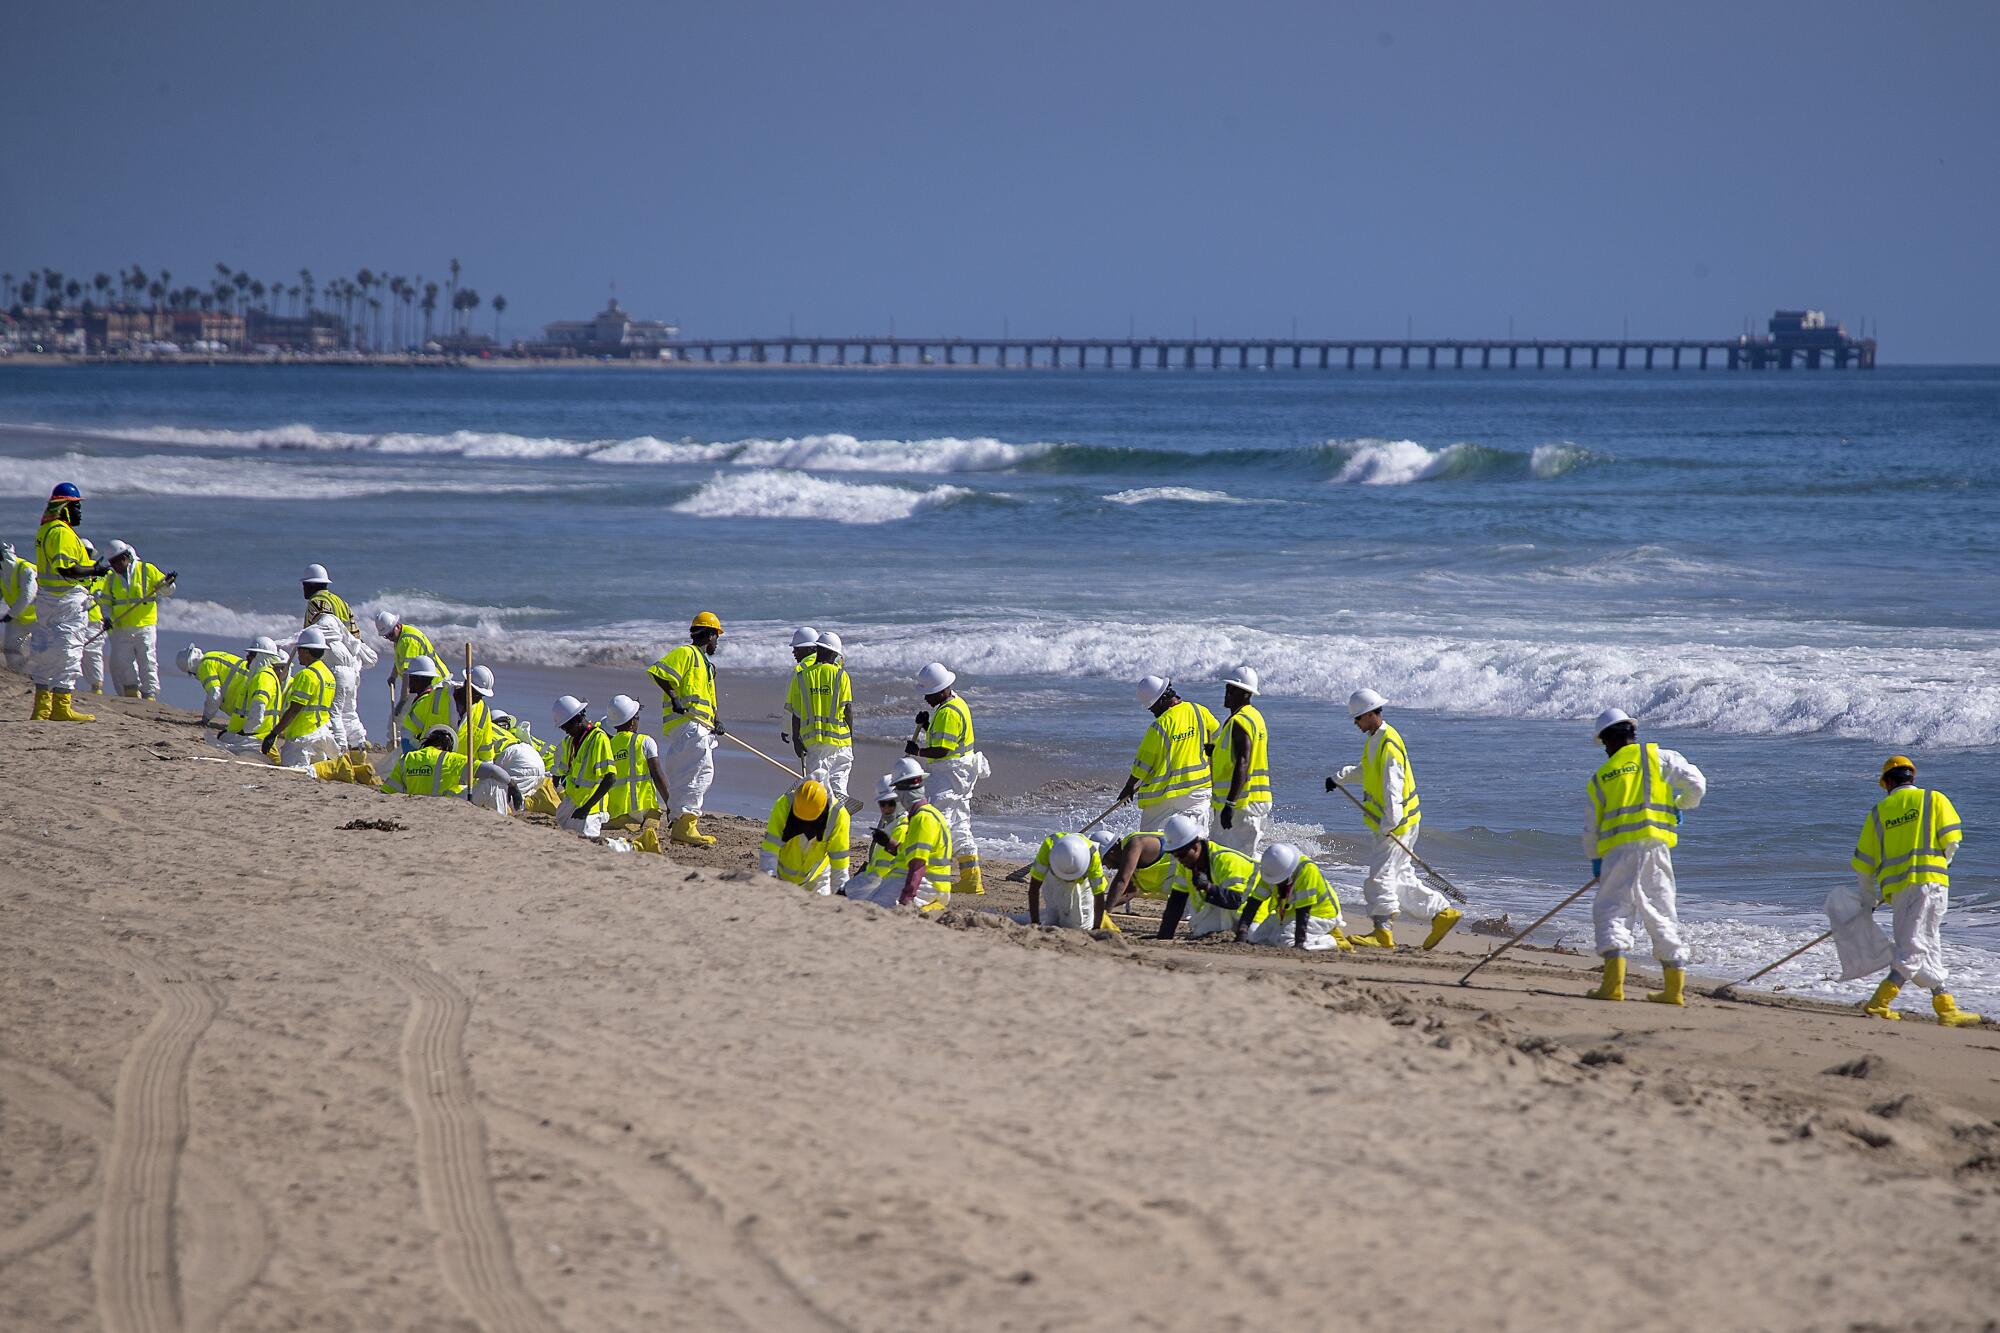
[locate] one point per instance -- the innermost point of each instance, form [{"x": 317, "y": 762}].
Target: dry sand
[{"x": 261, "y": 1072}]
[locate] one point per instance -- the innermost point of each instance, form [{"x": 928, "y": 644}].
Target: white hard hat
[
  {"x": 1279, "y": 863},
  {"x": 315, "y": 574},
  {"x": 386, "y": 621},
  {"x": 1243, "y": 678},
  {"x": 1179, "y": 832},
  {"x": 1150, "y": 688},
  {"x": 623, "y": 709},
  {"x": 566, "y": 708},
  {"x": 1070, "y": 857},
  {"x": 831, "y": 642},
  {"x": 1608, "y": 719},
  {"x": 117, "y": 549},
  {"x": 933, "y": 678},
  {"x": 421, "y": 667},
  {"x": 502, "y": 719},
  {"x": 187, "y": 658},
  {"x": 805, "y": 636},
  {"x": 906, "y": 771},
  {"x": 885, "y": 788},
  {"x": 263, "y": 646},
  {"x": 482, "y": 680},
  {"x": 1364, "y": 701},
  {"x": 450, "y": 736},
  {"x": 311, "y": 639},
  {"x": 1104, "y": 838}
]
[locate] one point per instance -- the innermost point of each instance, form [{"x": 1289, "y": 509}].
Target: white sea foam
[
  {"x": 845, "y": 453},
  {"x": 798, "y": 495},
  {"x": 1394, "y": 462},
  {"x": 230, "y": 478},
  {"x": 1178, "y": 494},
  {"x": 1549, "y": 461}
]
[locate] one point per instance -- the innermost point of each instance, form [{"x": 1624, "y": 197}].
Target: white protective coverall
[
  {"x": 518, "y": 767},
  {"x": 1195, "y": 805},
  {"x": 688, "y": 759},
  {"x": 1392, "y": 884},
  {"x": 14, "y": 644},
  {"x": 93, "y": 654},
  {"x": 1637, "y": 881},
  {"x": 950, "y": 788},
  {"x": 1916, "y": 915},
  {"x": 62, "y": 622}
]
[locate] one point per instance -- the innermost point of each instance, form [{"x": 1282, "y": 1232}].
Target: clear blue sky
[{"x": 1065, "y": 166}]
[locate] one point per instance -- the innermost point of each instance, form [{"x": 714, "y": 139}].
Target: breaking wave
[
  {"x": 799, "y": 495},
  {"x": 233, "y": 478},
  {"x": 1179, "y": 494}
]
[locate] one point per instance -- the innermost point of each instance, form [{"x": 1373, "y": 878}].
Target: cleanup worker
[
  {"x": 406, "y": 644},
  {"x": 93, "y": 639},
  {"x": 585, "y": 763},
  {"x": 212, "y": 671},
  {"x": 805, "y": 643},
  {"x": 470, "y": 705},
  {"x": 945, "y": 737},
  {"x": 131, "y": 596},
  {"x": 1141, "y": 867},
  {"x": 62, "y": 607},
  {"x": 18, "y": 583},
  {"x": 347, "y": 654},
  {"x": 1304, "y": 911},
  {"x": 1215, "y": 879},
  {"x": 1239, "y": 774},
  {"x": 1170, "y": 775},
  {"x": 1393, "y": 812},
  {"x": 518, "y": 772},
  {"x": 1067, "y": 885},
  {"x": 821, "y": 703},
  {"x": 1636, "y": 800},
  {"x": 425, "y": 706},
  {"x": 635, "y": 796},
  {"x": 435, "y": 768},
  {"x": 686, "y": 677},
  {"x": 920, "y": 875},
  {"x": 304, "y": 735},
  {"x": 250, "y": 695},
  {"x": 1903, "y": 858},
  {"x": 806, "y": 840},
  {"x": 869, "y": 885}
]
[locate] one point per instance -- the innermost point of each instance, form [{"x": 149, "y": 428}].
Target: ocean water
[{"x": 1784, "y": 576}]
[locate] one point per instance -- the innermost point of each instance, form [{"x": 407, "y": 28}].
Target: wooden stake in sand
[
  {"x": 1540, "y": 921},
  {"x": 1020, "y": 873},
  {"x": 1450, "y": 889},
  {"x": 471, "y": 702}
]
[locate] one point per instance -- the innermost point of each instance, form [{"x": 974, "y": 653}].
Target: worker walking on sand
[
  {"x": 304, "y": 735},
  {"x": 1067, "y": 885},
  {"x": 251, "y": 692},
  {"x": 406, "y": 644},
  {"x": 1393, "y": 812},
  {"x": 1218, "y": 882},
  {"x": 875, "y": 871},
  {"x": 1903, "y": 857},
  {"x": 586, "y": 765},
  {"x": 435, "y": 768},
  {"x": 1239, "y": 775},
  {"x": 635, "y": 757},
  {"x": 1170, "y": 775},
  {"x": 62, "y": 607},
  {"x": 686, "y": 677},
  {"x": 946, "y": 739},
  {"x": 1303, "y": 910},
  {"x": 806, "y": 840},
  {"x": 18, "y": 584},
  {"x": 1636, "y": 799},
  {"x": 131, "y": 597},
  {"x": 821, "y": 703},
  {"x": 347, "y": 654}
]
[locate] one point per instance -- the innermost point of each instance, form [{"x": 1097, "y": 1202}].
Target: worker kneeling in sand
[
  {"x": 252, "y": 692},
  {"x": 426, "y": 703},
  {"x": 1216, "y": 880},
  {"x": 304, "y": 735},
  {"x": 406, "y": 644},
  {"x": 634, "y": 801},
  {"x": 1067, "y": 885},
  {"x": 806, "y": 840},
  {"x": 435, "y": 768},
  {"x": 1170, "y": 773},
  {"x": 1240, "y": 769},
  {"x": 1393, "y": 812},
  {"x": 876, "y": 870},
  {"x": 1903, "y": 858},
  {"x": 1636, "y": 800},
  {"x": 1304, "y": 911},
  {"x": 920, "y": 874},
  {"x": 586, "y": 765},
  {"x": 1140, "y": 866}
]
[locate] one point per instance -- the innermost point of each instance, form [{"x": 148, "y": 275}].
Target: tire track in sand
[
  {"x": 457, "y": 1187},
  {"x": 137, "y": 1272}
]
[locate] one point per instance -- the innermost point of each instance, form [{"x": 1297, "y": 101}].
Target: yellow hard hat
[
  {"x": 1896, "y": 761},
  {"x": 809, "y": 801},
  {"x": 706, "y": 620}
]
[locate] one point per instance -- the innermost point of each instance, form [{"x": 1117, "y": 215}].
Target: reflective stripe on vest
[
  {"x": 1905, "y": 840},
  {"x": 1231, "y": 870},
  {"x": 430, "y": 709},
  {"x": 925, "y": 838},
  {"x": 56, "y": 543},
  {"x": 133, "y": 602},
  {"x": 585, "y": 764},
  {"x": 311, "y": 689},
  {"x": 1633, "y": 801},
  {"x": 950, "y": 729},
  {"x": 1385, "y": 744},
  {"x": 1257, "y": 761},
  {"x": 1311, "y": 892},
  {"x": 412, "y": 643},
  {"x": 802, "y": 858},
  {"x": 1155, "y": 880},
  {"x": 1173, "y": 757},
  {"x": 244, "y": 685},
  {"x": 692, "y": 678},
  {"x": 632, "y": 789},
  {"x": 821, "y": 698}
]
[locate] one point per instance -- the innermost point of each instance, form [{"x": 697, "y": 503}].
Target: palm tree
[
  {"x": 451, "y": 290},
  {"x": 6, "y": 290},
  {"x": 306, "y": 284},
  {"x": 157, "y": 290},
  {"x": 429, "y": 306},
  {"x": 102, "y": 282},
  {"x": 499, "y": 304}
]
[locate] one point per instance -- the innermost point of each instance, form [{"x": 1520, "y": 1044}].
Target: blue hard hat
[{"x": 66, "y": 491}]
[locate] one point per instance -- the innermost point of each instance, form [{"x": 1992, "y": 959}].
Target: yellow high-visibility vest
[
  {"x": 633, "y": 791},
  {"x": 1231, "y": 870},
  {"x": 1384, "y": 745},
  {"x": 56, "y": 544},
  {"x": 1634, "y": 802},
  {"x": 430, "y": 709},
  {"x": 133, "y": 599},
  {"x": 1157, "y": 880},
  {"x": 1173, "y": 756},
  {"x": 428, "y": 772},
  {"x": 312, "y": 690},
  {"x": 245, "y": 686},
  {"x": 882, "y": 860},
  {"x": 412, "y": 643},
  {"x": 802, "y": 858},
  {"x": 819, "y": 697},
  {"x": 926, "y": 838},
  {"x": 686, "y": 674},
  {"x": 950, "y": 729},
  {"x": 585, "y": 763},
  {"x": 216, "y": 669},
  {"x": 1906, "y": 840},
  {"x": 1257, "y": 758}
]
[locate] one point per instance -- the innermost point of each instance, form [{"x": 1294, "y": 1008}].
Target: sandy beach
[{"x": 267, "y": 1067}]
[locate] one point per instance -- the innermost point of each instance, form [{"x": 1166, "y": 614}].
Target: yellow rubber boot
[
  {"x": 648, "y": 839},
  {"x": 130, "y": 692},
  {"x": 687, "y": 832},
  {"x": 968, "y": 879},
  {"x": 41, "y": 713},
  {"x": 1676, "y": 991},
  {"x": 1441, "y": 925},
  {"x": 1879, "y": 1003},
  {"x": 1378, "y": 938},
  {"x": 1341, "y": 942},
  {"x": 1612, "y": 987},
  {"x": 331, "y": 770},
  {"x": 1949, "y": 1014},
  {"x": 63, "y": 709}
]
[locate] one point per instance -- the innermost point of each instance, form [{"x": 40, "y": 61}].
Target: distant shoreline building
[{"x": 610, "y": 332}]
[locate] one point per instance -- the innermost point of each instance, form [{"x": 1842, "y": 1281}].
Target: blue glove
[{"x": 1596, "y": 866}]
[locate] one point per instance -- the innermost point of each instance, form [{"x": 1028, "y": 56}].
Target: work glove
[
  {"x": 881, "y": 839},
  {"x": 1332, "y": 784},
  {"x": 923, "y": 719},
  {"x": 1596, "y": 866},
  {"x": 719, "y": 729},
  {"x": 7, "y": 617},
  {"x": 909, "y": 747},
  {"x": 1228, "y": 814}
]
